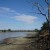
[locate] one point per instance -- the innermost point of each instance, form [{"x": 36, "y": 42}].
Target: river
[{"x": 4, "y": 35}]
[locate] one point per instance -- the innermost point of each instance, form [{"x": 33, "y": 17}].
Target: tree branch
[
  {"x": 42, "y": 14},
  {"x": 37, "y": 5},
  {"x": 46, "y": 2}
]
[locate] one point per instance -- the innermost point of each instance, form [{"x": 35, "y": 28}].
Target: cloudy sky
[{"x": 17, "y": 14}]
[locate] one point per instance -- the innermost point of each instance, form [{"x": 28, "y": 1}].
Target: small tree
[
  {"x": 9, "y": 29},
  {"x": 3, "y": 30},
  {"x": 36, "y": 30}
]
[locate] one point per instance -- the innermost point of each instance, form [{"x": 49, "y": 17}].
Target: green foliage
[
  {"x": 3, "y": 30},
  {"x": 36, "y": 30},
  {"x": 9, "y": 29},
  {"x": 45, "y": 26}
]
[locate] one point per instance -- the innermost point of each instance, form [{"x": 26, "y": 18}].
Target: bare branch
[
  {"x": 46, "y": 2},
  {"x": 37, "y": 5},
  {"x": 43, "y": 15},
  {"x": 41, "y": 6},
  {"x": 38, "y": 13}
]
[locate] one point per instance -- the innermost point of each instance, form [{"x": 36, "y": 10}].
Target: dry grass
[{"x": 21, "y": 44}]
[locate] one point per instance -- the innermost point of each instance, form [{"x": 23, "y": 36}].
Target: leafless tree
[{"x": 40, "y": 8}]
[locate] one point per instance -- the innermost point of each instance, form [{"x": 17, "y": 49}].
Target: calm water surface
[{"x": 14, "y": 34}]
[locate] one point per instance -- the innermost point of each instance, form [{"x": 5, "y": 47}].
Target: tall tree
[{"x": 41, "y": 11}]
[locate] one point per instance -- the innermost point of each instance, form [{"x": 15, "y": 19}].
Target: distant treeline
[{"x": 9, "y": 30}]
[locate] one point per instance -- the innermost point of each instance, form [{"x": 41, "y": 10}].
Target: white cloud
[
  {"x": 17, "y": 16},
  {"x": 25, "y": 18},
  {"x": 7, "y": 11},
  {"x": 3, "y": 9}
]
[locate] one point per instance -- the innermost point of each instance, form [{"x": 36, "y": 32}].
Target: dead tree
[{"x": 39, "y": 6}]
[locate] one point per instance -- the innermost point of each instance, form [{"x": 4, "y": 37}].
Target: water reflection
[{"x": 15, "y": 34}]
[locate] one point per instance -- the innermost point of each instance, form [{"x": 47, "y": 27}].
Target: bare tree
[{"x": 40, "y": 8}]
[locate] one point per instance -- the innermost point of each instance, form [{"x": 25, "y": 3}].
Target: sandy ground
[{"x": 19, "y": 44}]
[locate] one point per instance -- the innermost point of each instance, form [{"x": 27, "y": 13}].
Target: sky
[{"x": 17, "y": 15}]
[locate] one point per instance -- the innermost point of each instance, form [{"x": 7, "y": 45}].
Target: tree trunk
[
  {"x": 48, "y": 46},
  {"x": 49, "y": 18}
]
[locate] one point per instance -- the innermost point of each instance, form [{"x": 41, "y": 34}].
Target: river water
[{"x": 4, "y": 35}]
